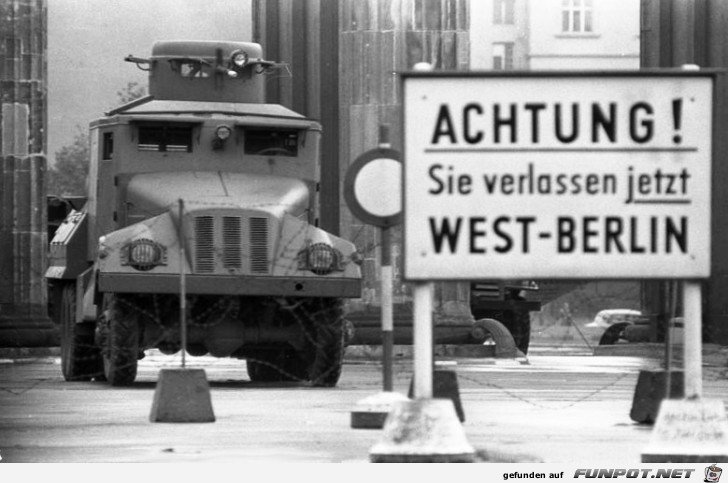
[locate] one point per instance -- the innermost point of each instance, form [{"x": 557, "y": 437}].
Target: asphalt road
[{"x": 554, "y": 407}]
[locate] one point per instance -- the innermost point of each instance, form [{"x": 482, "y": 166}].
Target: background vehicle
[
  {"x": 202, "y": 189},
  {"x": 614, "y": 322},
  {"x": 627, "y": 325},
  {"x": 508, "y": 303}
]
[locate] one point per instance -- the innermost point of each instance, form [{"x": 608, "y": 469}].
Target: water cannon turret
[{"x": 216, "y": 71}]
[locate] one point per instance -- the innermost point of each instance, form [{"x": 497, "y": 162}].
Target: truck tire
[
  {"x": 121, "y": 350},
  {"x": 505, "y": 346},
  {"x": 613, "y": 334},
  {"x": 80, "y": 357},
  {"x": 262, "y": 371},
  {"x": 325, "y": 336},
  {"x": 280, "y": 366}
]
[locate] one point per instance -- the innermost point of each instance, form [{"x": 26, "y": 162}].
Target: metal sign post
[
  {"x": 372, "y": 190},
  {"x": 423, "y": 357},
  {"x": 693, "y": 339}
]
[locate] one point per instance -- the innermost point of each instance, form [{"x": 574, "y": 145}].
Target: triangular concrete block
[
  {"x": 651, "y": 389},
  {"x": 371, "y": 412},
  {"x": 423, "y": 431},
  {"x": 444, "y": 386},
  {"x": 182, "y": 396},
  {"x": 689, "y": 431}
]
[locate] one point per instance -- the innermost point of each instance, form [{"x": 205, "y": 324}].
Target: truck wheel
[
  {"x": 612, "y": 334},
  {"x": 325, "y": 337},
  {"x": 80, "y": 357},
  {"x": 121, "y": 348},
  {"x": 261, "y": 371},
  {"x": 283, "y": 366}
]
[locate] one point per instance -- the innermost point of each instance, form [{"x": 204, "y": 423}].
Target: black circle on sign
[{"x": 354, "y": 205}]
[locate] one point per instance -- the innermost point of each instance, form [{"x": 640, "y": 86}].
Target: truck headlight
[
  {"x": 144, "y": 254},
  {"x": 320, "y": 258},
  {"x": 222, "y": 133}
]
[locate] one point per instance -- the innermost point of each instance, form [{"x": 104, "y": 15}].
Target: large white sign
[{"x": 557, "y": 176}]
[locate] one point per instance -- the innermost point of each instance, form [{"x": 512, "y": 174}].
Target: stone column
[
  {"x": 379, "y": 39},
  {"x": 24, "y": 318}
]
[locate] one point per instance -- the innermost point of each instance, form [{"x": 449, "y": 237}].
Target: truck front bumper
[{"x": 224, "y": 285}]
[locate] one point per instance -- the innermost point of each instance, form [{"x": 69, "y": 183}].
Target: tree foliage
[
  {"x": 68, "y": 176},
  {"x": 131, "y": 92}
]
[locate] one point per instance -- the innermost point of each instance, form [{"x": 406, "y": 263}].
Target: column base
[{"x": 28, "y": 331}]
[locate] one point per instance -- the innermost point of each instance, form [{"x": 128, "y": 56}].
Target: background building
[
  {"x": 499, "y": 37},
  {"x": 555, "y": 34},
  {"x": 584, "y": 34}
]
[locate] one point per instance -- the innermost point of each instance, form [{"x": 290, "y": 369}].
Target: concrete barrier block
[
  {"x": 651, "y": 389},
  {"x": 689, "y": 431},
  {"x": 445, "y": 386},
  {"x": 423, "y": 431},
  {"x": 182, "y": 396},
  {"x": 372, "y": 412}
]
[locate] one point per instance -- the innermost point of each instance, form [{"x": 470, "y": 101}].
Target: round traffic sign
[{"x": 373, "y": 187}]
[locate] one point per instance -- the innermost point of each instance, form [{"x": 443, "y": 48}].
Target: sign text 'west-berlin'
[{"x": 557, "y": 176}]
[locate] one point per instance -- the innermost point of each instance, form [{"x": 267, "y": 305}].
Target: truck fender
[
  {"x": 67, "y": 251},
  {"x": 85, "y": 289},
  {"x": 505, "y": 346}
]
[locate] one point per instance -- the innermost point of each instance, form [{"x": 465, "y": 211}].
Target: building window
[
  {"x": 503, "y": 56},
  {"x": 576, "y": 16},
  {"x": 503, "y": 12},
  {"x": 11, "y": 56}
]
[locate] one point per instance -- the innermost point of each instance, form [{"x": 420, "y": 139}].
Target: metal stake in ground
[
  {"x": 182, "y": 284},
  {"x": 182, "y": 395}
]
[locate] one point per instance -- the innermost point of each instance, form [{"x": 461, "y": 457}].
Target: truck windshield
[
  {"x": 191, "y": 67},
  {"x": 271, "y": 142},
  {"x": 167, "y": 137}
]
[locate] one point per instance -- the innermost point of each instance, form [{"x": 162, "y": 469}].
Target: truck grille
[
  {"x": 204, "y": 244},
  {"x": 259, "y": 245},
  {"x": 225, "y": 238},
  {"x": 231, "y": 242}
]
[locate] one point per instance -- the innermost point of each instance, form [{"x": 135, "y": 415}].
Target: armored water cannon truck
[{"x": 202, "y": 214}]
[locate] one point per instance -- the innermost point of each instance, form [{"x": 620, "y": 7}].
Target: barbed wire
[
  {"x": 540, "y": 405},
  {"x": 23, "y": 390}
]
